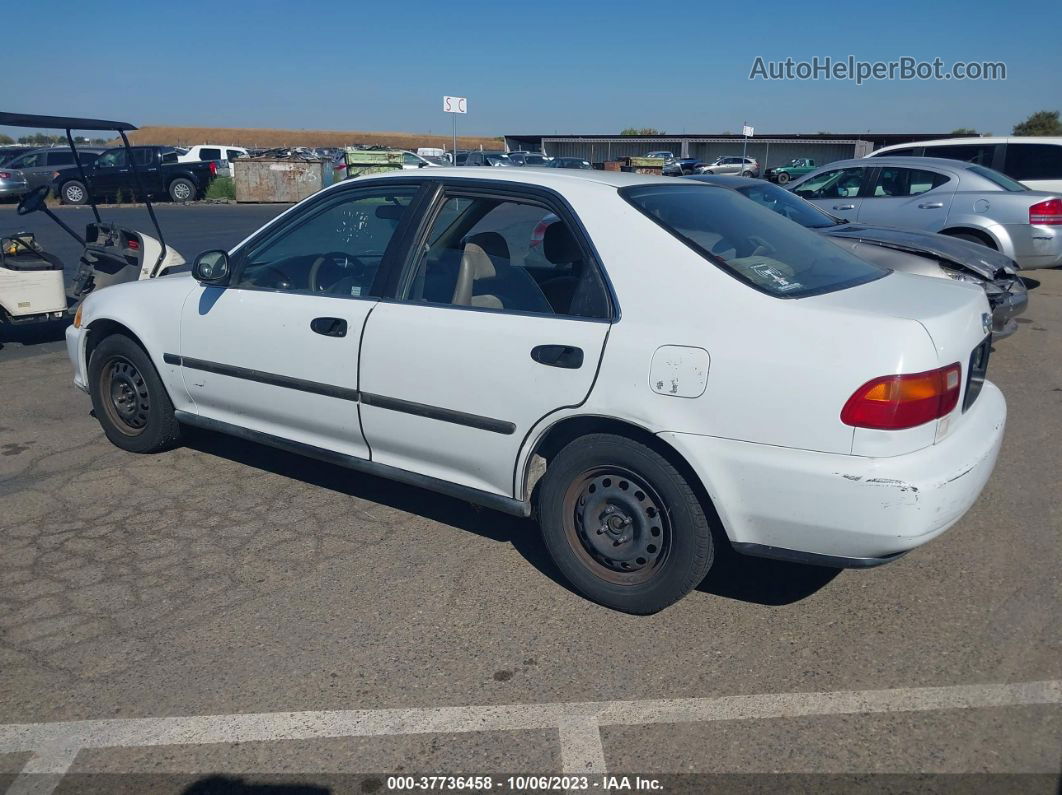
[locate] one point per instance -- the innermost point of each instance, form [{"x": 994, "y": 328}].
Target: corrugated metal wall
[{"x": 772, "y": 152}]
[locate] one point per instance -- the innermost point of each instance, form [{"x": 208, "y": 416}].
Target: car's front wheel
[
  {"x": 129, "y": 399},
  {"x": 73, "y": 192},
  {"x": 623, "y": 525},
  {"x": 782, "y": 178}
]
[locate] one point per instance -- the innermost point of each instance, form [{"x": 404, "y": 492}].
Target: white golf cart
[{"x": 31, "y": 280}]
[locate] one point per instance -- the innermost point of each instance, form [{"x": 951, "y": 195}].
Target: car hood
[{"x": 983, "y": 261}]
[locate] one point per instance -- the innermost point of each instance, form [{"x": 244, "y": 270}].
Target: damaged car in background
[{"x": 925, "y": 253}]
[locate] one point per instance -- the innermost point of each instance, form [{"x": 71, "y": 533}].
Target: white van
[
  {"x": 223, "y": 154},
  {"x": 1035, "y": 162}
]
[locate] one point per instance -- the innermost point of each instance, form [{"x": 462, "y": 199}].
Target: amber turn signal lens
[
  {"x": 77, "y": 317},
  {"x": 895, "y": 402}
]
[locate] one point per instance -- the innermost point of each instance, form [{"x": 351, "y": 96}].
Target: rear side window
[
  {"x": 507, "y": 255},
  {"x": 894, "y": 181},
  {"x": 209, "y": 154},
  {"x": 981, "y": 154},
  {"x": 750, "y": 242},
  {"x": 1033, "y": 161}
]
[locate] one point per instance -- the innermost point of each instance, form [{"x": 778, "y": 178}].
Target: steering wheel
[
  {"x": 34, "y": 200},
  {"x": 314, "y": 278}
]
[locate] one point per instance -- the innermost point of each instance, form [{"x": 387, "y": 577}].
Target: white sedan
[{"x": 653, "y": 367}]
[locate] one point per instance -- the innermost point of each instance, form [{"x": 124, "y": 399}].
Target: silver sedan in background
[
  {"x": 12, "y": 183},
  {"x": 963, "y": 200}
]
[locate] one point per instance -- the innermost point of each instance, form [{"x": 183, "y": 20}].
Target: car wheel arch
[
  {"x": 988, "y": 239},
  {"x": 567, "y": 430},
  {"x": 102, "y": 328}
]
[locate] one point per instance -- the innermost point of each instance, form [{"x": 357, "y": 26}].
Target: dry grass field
[{"x": 189, "y": 136}]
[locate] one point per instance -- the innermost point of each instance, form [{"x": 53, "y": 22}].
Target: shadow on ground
[{"x": 733, "y": 576}]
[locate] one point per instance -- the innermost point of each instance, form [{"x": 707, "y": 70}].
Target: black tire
[
  {"x": 73, "y": 192},
  {"x": 128, "y": 397},
  {"x": 782, "y": 178},
  {"x": 747, "y": 174},
  {"x": 970, "y": 237},
  {"x": 653, "y": 544},
  {"x": 182, "y": 190}
]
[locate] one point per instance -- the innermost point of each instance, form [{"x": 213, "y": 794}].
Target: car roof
[
  {"x": 545, "y": 177},
  {"x": 905, "y": 160},
  {"x": 988, "y": 139}
]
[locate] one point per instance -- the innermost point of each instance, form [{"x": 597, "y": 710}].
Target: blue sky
[{"x": 563, "y": 67}]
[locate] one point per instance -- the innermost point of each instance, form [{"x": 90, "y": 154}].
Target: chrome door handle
[
  {"x": 931, "y": 205},
  {"x": 844, "y": 206}
]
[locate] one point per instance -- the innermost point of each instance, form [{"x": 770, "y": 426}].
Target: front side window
[
  {"x": 750, "y": 242},
  {"x": 894, "y": 181},
  {"x": 1033, "y": 161},
  {"x": 335, "y": 250},
  {"x": 233, "y": 153},
  {"x": 839, "y": 183},
  {"x": 61, "y": 158},
  {"x": 113, "y": 159},
  {"x": 494, "y": 253}
]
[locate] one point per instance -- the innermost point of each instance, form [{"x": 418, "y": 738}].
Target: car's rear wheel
[
  {"x": 746, "y": 174},
  {"x": 73, "y": 192},
  {"x": 182, "y": 190},
  {"x": 623, "y": 525},
  {"x": 782, "y": 178},
  {"x": 129, "y": 399}
]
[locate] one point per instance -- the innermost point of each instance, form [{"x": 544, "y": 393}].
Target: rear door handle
[
  {"x": 844, "y": 206},
  {"x": 931, "y": 205},
  {"x": 329, "y": 326},
  {"x": 565, "y": 356}
]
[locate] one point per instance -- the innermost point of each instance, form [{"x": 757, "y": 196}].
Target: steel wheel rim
[
  {"x": 125, "y": 397},
  {"x": 617, "y": 525}
]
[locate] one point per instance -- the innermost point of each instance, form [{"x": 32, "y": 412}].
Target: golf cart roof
[{"x": 60, "y": 122}]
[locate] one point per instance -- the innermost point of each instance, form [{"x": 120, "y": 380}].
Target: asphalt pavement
[{"x": 225, "y": 617}]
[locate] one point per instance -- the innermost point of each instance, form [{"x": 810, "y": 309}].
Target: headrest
[
  {"x": 559, "y": 246},
  {"x": 478, "y": 262},
  {"x": 491, "y": 242}
]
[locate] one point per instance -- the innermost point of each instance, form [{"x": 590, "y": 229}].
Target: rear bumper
[
  {"x": 1034, "y": 246},
  {"x": 857, "y": 509}
]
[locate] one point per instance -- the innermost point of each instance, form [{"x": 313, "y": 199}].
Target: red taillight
[
  {"x": 213, "y": 168},
  {"x": 894, "y": 402},
  {"x": 1046, "y": 213},
  {"x": 133, "y": 244},
  {"x": 5, "y": 175}
]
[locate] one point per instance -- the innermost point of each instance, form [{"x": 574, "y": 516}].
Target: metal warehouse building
[{"x": 770, "y": 150}]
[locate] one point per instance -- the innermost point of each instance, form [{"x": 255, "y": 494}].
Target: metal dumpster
[
  {"x": 267, "y": 180},
  {"x": 357, "y": 162},
  {"x": 646, "y": 165}
]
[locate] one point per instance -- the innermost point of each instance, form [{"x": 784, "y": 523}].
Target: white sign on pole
[
  {"x": 455, "y": 104},
  {"x": 746, "y": 131}
]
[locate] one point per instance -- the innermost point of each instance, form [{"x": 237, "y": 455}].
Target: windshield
[
  {"x": 786, "y": 204},
  {"x": 751, "y": 242},
  {"x": 996, "y": 177}
]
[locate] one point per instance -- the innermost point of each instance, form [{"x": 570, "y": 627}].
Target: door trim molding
[
  {"x": 344, "y": 393},
  {"x": 487, "y": 499}
]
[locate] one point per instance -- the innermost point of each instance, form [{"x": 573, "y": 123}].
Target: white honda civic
[{"x": 652, "y": 367}]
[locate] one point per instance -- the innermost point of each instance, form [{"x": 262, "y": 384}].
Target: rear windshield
[
  {"x": 1002, "y": 180},
  {"x": 751, "y": 242}
]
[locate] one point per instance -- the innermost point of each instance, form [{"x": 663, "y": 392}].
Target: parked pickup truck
[
  {"x": 797, "y": 167},
  {"x": 111, "y": 174}
]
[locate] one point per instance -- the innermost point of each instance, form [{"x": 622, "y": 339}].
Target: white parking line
[{"x": 55, "y": 744}]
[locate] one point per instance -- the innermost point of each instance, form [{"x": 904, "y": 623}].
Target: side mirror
[
  {"x": 421, "y": 164},
  {"x": 211, "y": 267}
]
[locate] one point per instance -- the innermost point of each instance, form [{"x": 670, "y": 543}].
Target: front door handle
[
  {"x": 329, "y": 326},
  {"x": 844, "y": 206},
  {"x": 931, "y": 205},
  {"x": 565, "y": 356}
]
